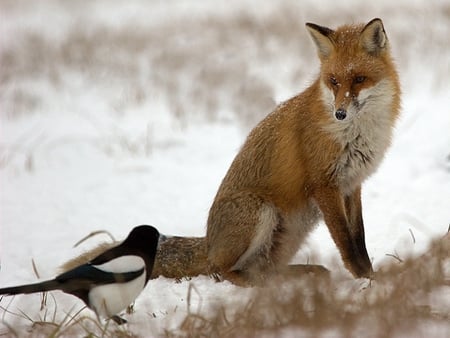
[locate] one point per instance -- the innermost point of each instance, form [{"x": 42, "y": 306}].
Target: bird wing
[
  {"x": 87, "y": 276},
  {"x": 81, "y": 280}
]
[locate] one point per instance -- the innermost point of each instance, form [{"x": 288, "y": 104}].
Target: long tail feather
[{"x": 31, "y": 288}]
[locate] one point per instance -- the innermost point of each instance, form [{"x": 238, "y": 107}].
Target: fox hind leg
[{"x": 239, "y": 237}]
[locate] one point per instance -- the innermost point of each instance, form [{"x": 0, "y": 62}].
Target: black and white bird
[{"x": 112, "y": 280}]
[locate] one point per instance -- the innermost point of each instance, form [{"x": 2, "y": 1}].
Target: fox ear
[
  {"x": 322, "y": 38},
  {"x": 373, "y": 37}
]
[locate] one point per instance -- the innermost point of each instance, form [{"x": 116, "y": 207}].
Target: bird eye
[
  {"x": 333, "y": 81},
  {"x": 359, "y": 79}
]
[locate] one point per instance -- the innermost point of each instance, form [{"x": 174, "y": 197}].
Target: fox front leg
[
  {"x": 344, "y": 221},
  {"x": 353, "y": 208}
]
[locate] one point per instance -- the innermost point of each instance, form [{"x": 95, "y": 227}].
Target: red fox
[
  {"x": 304, "y": 162},
  {"x": 307, "y": 160}
]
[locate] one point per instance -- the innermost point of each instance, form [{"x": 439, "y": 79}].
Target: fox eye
[
  {"x": 359, "y": 79},
  {"x": 333, "y": 81}
]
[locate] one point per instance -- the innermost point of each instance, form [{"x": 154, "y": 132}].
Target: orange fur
[
  {"x": 304, "y": 162},
  {"x": 300, "y": 163}
]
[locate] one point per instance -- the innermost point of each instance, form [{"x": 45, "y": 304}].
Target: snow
[{"x": 84, "y": 150}]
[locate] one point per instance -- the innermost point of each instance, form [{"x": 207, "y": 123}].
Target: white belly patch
[{"x": 108, "y": 300}]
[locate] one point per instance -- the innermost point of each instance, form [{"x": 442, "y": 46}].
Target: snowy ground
[{"x": 114, "y": 116}]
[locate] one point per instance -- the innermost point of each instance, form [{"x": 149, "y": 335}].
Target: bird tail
[{"x": 31, "y": 288}]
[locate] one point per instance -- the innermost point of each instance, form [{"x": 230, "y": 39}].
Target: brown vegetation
[
  {"x": 398, "y": 301},
  {"x": 202, "y": 67}
]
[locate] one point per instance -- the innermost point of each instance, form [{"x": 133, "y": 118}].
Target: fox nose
[{"x": 340, "y": 114}]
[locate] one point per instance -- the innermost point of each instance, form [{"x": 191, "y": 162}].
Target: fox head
[{"x": 357, "y": 72}]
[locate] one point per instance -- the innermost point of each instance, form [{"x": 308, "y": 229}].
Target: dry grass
[
  {"x": 398, "y": 301},
  {"x": 75, "y": 326},
  {"x": 205, "y": 68},
  {"x": 202, "y": 67},
  {"x": 407, "y": 298}
]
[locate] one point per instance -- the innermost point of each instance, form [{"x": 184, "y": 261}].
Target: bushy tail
[
  {"x": 179, "y": 257},
  {"x": 31, "y": 288}
]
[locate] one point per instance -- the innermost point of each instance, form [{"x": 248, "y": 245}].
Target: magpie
[{"x": 109, "y": 282}]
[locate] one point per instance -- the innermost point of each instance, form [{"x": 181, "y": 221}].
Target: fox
[{"x": 303, "y": 163}]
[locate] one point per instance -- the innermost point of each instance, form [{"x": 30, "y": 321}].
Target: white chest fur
[
  {"x": 359, "y": 159},
  {"x": 364, "y": 135}
]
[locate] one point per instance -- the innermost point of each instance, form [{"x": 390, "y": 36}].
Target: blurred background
[
  {"x": 127, "y": 112},
  {"x": 116, "y": 113},
  {"x": 203, "y": 60}
]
